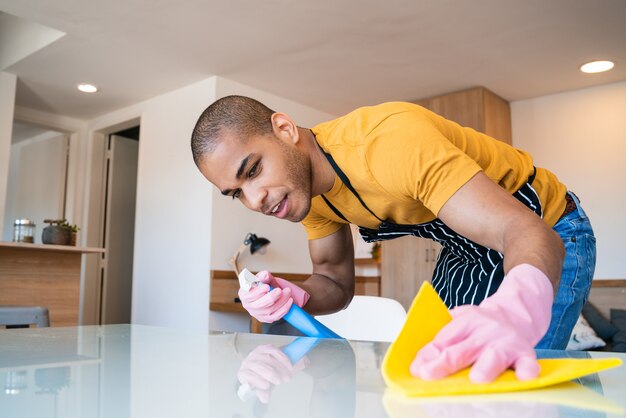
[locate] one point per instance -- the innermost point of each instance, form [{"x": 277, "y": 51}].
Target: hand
[
  {"x": 498, "y": 334},
  {"x": 270, "y": 305},
  {"x": 299, "y": 295},
  {"x": 266, "y": 367}
]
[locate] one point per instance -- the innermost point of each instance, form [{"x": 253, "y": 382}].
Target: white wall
[
  {"x": 76, "y": 129},
  {"x": 581, "y": 137},
  {"x": 7, "y": 106},
  {"x": 173, "y": 214},
  {"x": 36, "y": 182}
]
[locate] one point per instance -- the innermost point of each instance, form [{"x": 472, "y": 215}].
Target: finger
[
  {"x": 262, "y": 367},
  {"x": 526, "y": 367},
  {"x": 301, "y": 364},
  {"x": 263, "y": 349},
  {"x": 264, "y": 276},
  {"x": 276, "y": 355},
  {"x": 490, "y": 364},
  {"x": 455, "y": 331},
  {"x": 284, "y": 295},
  {"x": 280, "y": 312},
  {"x": 450, "y": 360},
  {"x": 252, "y": 379},
  {"x": 428, "y": 353},
  {"x": 268, "y": 370},
  {"x": 256, "y": 292},
  {"x": 263, "y": 395},
  {"x": 461, "y": 310},
  {"x": 267, "y": 300}
]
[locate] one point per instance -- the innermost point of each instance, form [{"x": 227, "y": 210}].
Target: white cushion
[{"x": 584, "y": 337}]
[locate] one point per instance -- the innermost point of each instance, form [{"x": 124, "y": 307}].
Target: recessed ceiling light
[
  {"x": 87, "y": 88},
  {"x": 596, "y": 66}
]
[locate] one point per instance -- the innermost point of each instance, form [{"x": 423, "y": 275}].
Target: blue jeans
[{"x": 578, "y": 267}]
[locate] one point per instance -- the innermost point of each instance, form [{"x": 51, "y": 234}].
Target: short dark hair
[{"x": 241, "y": 115}]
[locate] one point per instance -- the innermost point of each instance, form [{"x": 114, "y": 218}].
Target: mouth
[{"x": 280, "y": 210}]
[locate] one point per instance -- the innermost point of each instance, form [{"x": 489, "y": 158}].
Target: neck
[{"x": 322, "y": 173}]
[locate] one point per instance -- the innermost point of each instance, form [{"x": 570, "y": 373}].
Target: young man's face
[{"x": 265, "y": 173}]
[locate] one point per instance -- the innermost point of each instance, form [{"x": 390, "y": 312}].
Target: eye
[
  {"x": 253, "y": 170},
  {"x": 236, "y": 194}
]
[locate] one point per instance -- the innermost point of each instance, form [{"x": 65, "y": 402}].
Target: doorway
[{"x": 118, "y": 226}]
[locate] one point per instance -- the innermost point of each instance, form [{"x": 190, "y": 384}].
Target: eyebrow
[{"x": 242, "y": 167}]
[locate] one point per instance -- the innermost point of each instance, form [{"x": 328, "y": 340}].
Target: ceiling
[{"x": 331, "y": 55}]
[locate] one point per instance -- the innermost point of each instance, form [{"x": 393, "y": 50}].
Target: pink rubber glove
[
  {"x": 266, "y": 367},
  {"x": 299, "y": 295},
  {"x": 498, "y": 334},
  {"x": 269, "y": 306}
]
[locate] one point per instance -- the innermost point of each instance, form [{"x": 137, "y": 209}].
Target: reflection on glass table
[{"x": 140, "y": 371}]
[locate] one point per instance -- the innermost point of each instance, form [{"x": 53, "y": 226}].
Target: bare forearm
[
  {"x": 327, "y": 294},
  {"x": 483, "y": 212},
  {"x": 535, "y": 244},
  {"x": 331, "y": 286}
]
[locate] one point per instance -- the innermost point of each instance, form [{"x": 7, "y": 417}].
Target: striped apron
[{"x": 465, "y": 272}]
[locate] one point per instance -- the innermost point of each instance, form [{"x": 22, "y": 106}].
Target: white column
[{"x": 7, "y": 106}]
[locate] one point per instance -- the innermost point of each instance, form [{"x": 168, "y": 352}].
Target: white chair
[{"x": 367, "y": 318}]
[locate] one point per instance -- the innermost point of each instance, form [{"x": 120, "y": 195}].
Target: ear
[{"x": 285, "y": 128}]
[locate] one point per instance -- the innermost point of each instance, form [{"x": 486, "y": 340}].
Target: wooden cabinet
[
  {"x": 44, "y": 275},
  {"x": 478, "y": 108},
  {"x": 408, "y": 261}
]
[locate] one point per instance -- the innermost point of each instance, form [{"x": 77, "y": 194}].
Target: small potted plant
[
  {"x": 59, "y": 232},
  {"x": 73, "y": 228},
  {"x": 376, "y": 251}
]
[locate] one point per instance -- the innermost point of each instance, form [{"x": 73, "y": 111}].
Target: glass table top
[{"x": 141, "y": 371}]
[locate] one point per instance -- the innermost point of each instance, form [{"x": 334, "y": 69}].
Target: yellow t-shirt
[{"x": 406, "y": 162}]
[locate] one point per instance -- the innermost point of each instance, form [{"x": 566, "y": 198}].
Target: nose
[{"x": 254, "y": 197}]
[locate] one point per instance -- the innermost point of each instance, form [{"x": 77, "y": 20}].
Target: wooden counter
[{"x": 43, "y": 275}]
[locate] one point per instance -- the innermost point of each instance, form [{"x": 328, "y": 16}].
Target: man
[{"x": 518, "y": 250}]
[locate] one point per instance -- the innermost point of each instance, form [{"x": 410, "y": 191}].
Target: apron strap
[
  {"x": 345, "y": 181},
  {"x": 532, "y": 176},
  {"x": 337, "y": 212}
]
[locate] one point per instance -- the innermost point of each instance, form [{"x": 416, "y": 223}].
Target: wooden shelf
[
  {"x": 50, "y": 247},
  {"x": 366, "y": 262}
]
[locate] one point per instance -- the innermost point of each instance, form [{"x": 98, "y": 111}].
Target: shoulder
[{"x": 358, "y": 126}]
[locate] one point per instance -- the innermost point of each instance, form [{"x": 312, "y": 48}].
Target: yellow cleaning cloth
[{"x": 425, "y": 318}]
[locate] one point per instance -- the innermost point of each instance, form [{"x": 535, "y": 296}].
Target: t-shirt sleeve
[
  {"x": 410, "y": 155},
  {"x": 318, "y": 226}
]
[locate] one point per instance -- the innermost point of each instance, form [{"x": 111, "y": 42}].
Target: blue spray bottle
[{"x": 297, "y": 317}]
